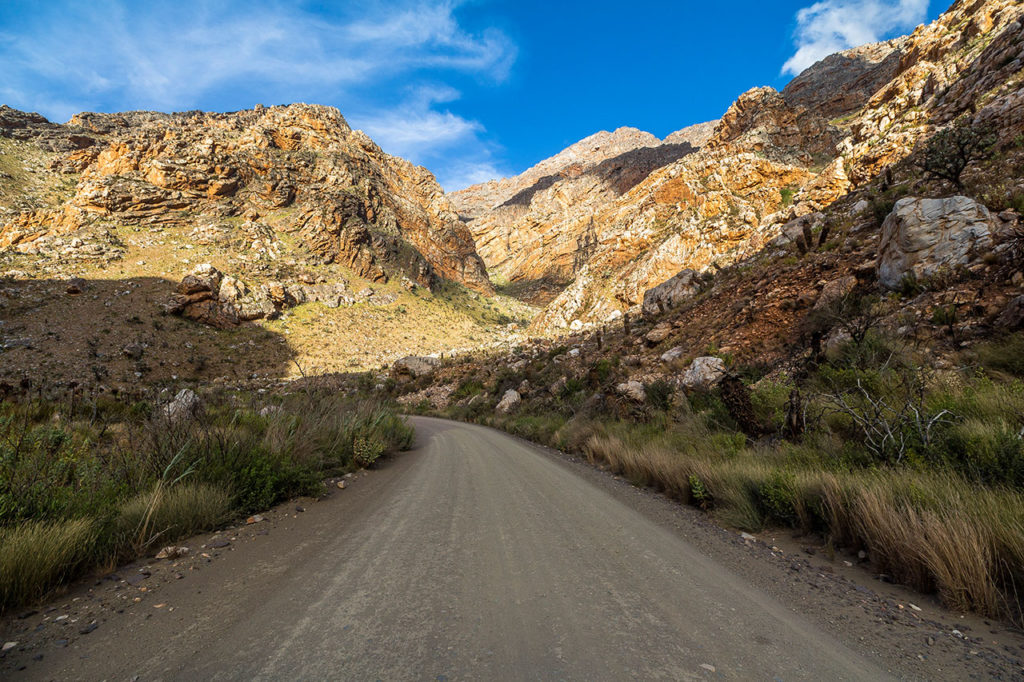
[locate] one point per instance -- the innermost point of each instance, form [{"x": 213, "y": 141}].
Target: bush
[
  {"x": 366, "y": 450},
  {"x": 950, "y": 151},
  {"x": 1003, "y": 355},
  {"x": 132, "y": 477},
  {"x": 769, "y": 400},
  {"x": 778, "y": 497},
  {"x": 659, "y": 394}
]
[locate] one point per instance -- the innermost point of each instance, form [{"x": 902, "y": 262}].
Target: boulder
[
  {"x": 922, "y": 237},
  {"x": 659, "y": 333},
  {"x": 75, "y": 285},
  {"x": 670, "y": 293},
  {"x": 672, "y": 354},
  {"x": 509, "y": 401},
  {"x": 1012, "y": 316},
  {"x": 633, "y": 390},
  {"x": 185, "y": 405},
  {"x": 204, "y": 277},
  {"x": 834, "y": 290},
  {"x": 795, "y": 228},
  {"x": 415, "y": 365},
  {"x": 703, "y": 372}
]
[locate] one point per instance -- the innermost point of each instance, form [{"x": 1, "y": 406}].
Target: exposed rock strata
[
  {"x": 773, "y": 158},
  {"x": 329, "y": 186}
]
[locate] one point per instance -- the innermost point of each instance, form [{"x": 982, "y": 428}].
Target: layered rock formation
[
  {"x": 541, "y": 226},
  {"x": 772, "y": 158},
  {"x": 299, "y": 173}
]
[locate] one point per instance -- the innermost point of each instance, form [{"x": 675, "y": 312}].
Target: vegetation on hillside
[
  {"x": 88, "y": 480},
  {"x": 863, "y": 445}
]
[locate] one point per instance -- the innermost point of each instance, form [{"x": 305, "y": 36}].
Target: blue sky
[{"x": 472, "y": 90}]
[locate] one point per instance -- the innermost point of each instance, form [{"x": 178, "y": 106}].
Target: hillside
[
  {"x": 315, "y": 234},
  {"x": 773, "y": 157}
]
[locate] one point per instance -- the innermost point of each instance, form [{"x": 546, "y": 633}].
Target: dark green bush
[{"x": 659, "y": 394}]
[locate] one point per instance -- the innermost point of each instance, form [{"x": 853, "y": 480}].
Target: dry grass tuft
[
  {"x": 36, "y": 556},
  {"x": 166, "y": 514}
]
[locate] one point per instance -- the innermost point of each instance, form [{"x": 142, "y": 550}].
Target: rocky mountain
[
  {"x": 297, "y": 170},
  {"x": 225, "y": 218},
  {"x": 611, "y": 233},
  {"x": 537, "y": 229}
]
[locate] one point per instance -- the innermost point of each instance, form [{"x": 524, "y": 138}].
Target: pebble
[
  {"x": 707, "y": 666},
  {"x": 88, "y": 628},
  {"x": 8, "y": 646},
  {"x": 300, "y": 508}
]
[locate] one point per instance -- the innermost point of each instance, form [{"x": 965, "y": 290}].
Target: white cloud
[
  {"x": 462, "y": 174},
  {"x": 833, "y": 25},
  {"x": 169, "y": 56},
  {"x": 448, "y": 144},
  {"x": 114, "y": 55}
]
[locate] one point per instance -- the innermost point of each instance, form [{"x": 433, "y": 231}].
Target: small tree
[{"x": 950, "y": 151}]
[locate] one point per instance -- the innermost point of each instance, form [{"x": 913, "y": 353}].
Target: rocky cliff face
[
  {"x": 295, "y": 174},
  {"x": 773, "y": 159},
  {"x": 541, "y": 227}
]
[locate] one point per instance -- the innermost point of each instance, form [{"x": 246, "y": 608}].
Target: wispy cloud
[
  {"x": 61, "y": 58},
  {"x": 449, "y": 144},
  {"x": 168, "y": 56},
  {"x": 833, "y": 25}
]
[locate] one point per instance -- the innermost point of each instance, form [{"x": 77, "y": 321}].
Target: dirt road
[{"x": 473, "y": 557}]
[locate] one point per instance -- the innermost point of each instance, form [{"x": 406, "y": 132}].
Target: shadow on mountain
[
  {"x": 536, "y": 292},
  {"x": 621, "y": 173},
  {"x": 852, "y": 80},
  {"x": 629, "y": 169},
  {"x": 115, "y": 333}
]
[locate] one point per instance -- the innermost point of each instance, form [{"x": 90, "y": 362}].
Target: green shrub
[
  {"x": 769, "y": 400},
  {"x": 778, "y": 497},
  {"x": 538, "y": 428},
  {"x": 468, "y": 388},
  {"x": 366, "y": 450},
  {"x": 699, "y": 493},
  {"x": 659, "y": 394},
  {"x": 1003, "y": 355},
  {"x": 572, "y": 386},
  {"x": 602, "y": 372},
  {"x": 137, "y": 478},
  {"x": 989, "y": 452}
]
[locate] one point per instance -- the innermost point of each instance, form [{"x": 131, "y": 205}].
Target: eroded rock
[
  {"x": 923, "y": 237},
  {"x": 703, "y": 372}
]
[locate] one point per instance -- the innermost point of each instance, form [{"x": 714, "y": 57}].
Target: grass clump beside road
[
  {"x": 870, "y": 449},
  {"x": 86, "y": 481}
]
